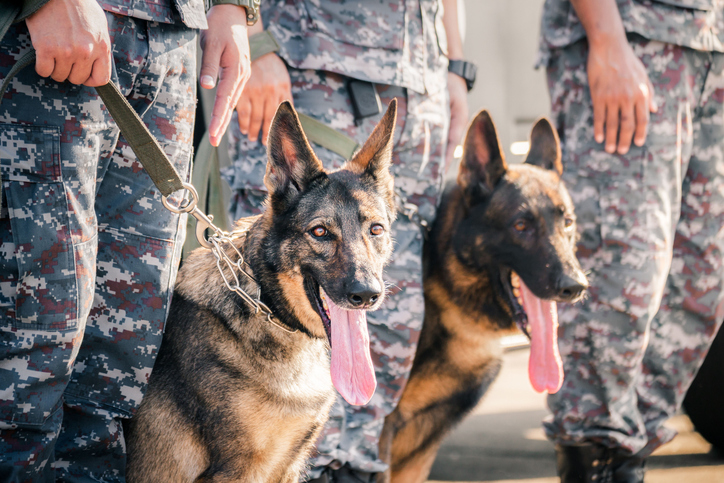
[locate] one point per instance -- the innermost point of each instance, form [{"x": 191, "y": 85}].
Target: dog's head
[
  {"x": 329, "y": 239},
  {"x": 521, "y": 226}
]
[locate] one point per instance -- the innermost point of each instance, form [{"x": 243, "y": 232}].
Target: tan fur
[{"x": 234, "y": 396}]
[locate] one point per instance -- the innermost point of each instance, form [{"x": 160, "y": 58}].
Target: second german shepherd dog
[
  {"x": 235, "y": 396},
  {"x": 499, "y": 254}
]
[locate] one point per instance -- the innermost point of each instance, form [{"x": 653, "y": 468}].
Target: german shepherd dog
[
  {"x": 235, "y": 396},
  {"x": 499, "y": 254}
]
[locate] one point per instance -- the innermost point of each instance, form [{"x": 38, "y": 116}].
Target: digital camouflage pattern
[
  {"x": 88, "y": 253},
  {"x": 697, "y": 24},
  {"x": 189, "y": 12},
  {"x": 391, "y": 42},
  {"x": 651, "y": 236},
  {"x": 352, "y": 433}
]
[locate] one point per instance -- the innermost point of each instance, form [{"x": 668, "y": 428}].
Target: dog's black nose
[
  {"x": 364, "y": 293},
  {"x": 571, "y": 288}
]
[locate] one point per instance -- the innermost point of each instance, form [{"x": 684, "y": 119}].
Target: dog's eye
[
  {"x": 568, "y": 222},
  {"x": 318, "y": 231},
  {"x": 520, "y": 225},
  {"x": 377, "y": 230}
]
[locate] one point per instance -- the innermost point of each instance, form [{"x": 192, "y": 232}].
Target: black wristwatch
[
  {"x": 251, "y": 6},
  {"x": 464, "y": 69}
]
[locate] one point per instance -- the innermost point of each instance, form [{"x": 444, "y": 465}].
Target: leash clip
[{"x": 203, "y": 222}]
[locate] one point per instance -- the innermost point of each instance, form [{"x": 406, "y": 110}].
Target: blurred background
[{"x": 501, "y": 37}]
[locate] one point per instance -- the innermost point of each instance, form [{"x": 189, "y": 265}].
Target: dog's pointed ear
[
  {"x": 291, "y": 163},
  {"x": 373, "y": 160},
  {"x": 375, "y": 156},
  {"x": 483, "y": 163},
  {"x": 545, "y": 148}
]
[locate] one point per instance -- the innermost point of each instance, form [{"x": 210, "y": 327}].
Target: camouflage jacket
[
  {"x": 393, "y": 42},
  {"x": 696, "y": 24},
  {"x": 189, "y": 12}
]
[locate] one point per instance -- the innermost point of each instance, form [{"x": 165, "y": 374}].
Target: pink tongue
[
  {"x": 545, "y": 368},
  {"x": 352, "y": 372}
]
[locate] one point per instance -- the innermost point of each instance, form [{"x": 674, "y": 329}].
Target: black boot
[{"x": 592, "y": 463}]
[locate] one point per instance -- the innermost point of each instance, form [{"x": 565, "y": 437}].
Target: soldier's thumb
[{"x": 210, "y": 66}]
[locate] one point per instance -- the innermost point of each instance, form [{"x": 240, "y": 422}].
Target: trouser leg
[
  {"x": 73, "y": 193},
  {"x": 51, "y": 137},
  {"x": 693, "y": 304},
  {"x": 139, "y": 244},
  {"x": 628, "y": 208}
]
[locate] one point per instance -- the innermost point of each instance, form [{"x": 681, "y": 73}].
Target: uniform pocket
[
  {"x": 46, "y": 290},
  {"x": 363, "y": 23}
]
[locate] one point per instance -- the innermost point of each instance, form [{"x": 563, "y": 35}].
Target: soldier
[
  {"x": 650, "y": 216},
  {"x": 330, "y": 54},
  {"x": 88, "y": 254}
]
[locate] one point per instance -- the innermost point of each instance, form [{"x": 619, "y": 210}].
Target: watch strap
[{"x": 466, "y": 70}]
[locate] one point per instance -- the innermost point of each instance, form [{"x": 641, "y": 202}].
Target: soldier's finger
[
  {"x": 626, "y": 128},
  {"x": 44, "y": 64},
  {"x": 80, "y": 73},
  {"x": 221, "y": 112},
  {"x": 256, "y": 118},
  {"x": 101, "y": 71},
  {"x": 243, "y": 110},
  {"x": 653, "y": 107},
  {"x": 61, "y": 70},
  {"x": 210, "y": 61},
  {"x": 599, "y": 119},
  {"x": 612, "y": 113},
  {"x": 642, "y": 122},
  {"x": 269, "y": 111}
]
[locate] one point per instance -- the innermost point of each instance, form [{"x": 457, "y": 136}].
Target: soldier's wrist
[{"x": 251, "y": 7}]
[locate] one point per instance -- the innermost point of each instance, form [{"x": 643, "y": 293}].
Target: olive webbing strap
[{"x": 148, "y": 151}]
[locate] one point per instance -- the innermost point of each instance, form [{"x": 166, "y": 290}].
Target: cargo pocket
[
  {"x": 364, "y": 23},
  {"x": 633, "y": 259},
  {"x": 45, "y": 284}
]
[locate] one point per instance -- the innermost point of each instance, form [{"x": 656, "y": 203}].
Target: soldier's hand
[
  {"x": 268, "y": 86},
  {"x": 458, "y": 91},
  {"x": 622, "y": 95},
  {"x": 225, "y": 56},
  {"x": 71, "y": 42}
]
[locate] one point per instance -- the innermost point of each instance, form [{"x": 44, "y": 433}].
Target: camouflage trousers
[
  {"x": 88, "y": 254},
  {"x": 652, "y": 240},
  {"x": 352, "y": 433}
]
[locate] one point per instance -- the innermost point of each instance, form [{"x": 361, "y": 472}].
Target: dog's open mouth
[
  {"x": 351, "y": 366},
  {"x": 538, "y": 319}
]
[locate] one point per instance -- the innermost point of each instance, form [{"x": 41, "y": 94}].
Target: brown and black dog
[
  {"x": 236, "y": 397},
  {"x": 499, "y": 254}
]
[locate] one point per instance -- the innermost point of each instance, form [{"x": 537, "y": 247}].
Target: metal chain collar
[{"x": 218, "y": 243}]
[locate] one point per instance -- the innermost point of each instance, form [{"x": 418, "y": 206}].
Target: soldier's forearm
[
  {"x": 452, "y": 29},
  {"x": 601, "y": 20}
]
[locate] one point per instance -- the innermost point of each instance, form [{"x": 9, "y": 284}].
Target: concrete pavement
[{"x": 502, "y": 441}]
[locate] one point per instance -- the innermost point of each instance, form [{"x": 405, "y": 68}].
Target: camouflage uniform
[
  {"x": 401, "y": 48},
  {"x": 650, "y": 223},
  {"x": 88, "y": 253}
]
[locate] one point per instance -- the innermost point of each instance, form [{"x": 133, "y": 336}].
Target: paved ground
[{"x": 502, "y": 441}]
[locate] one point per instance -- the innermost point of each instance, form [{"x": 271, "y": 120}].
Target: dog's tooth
[
  {"x": 322, "y": 295},
  {"x": 516, "y": 292},
  {"x": 514, "y": 280}
]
